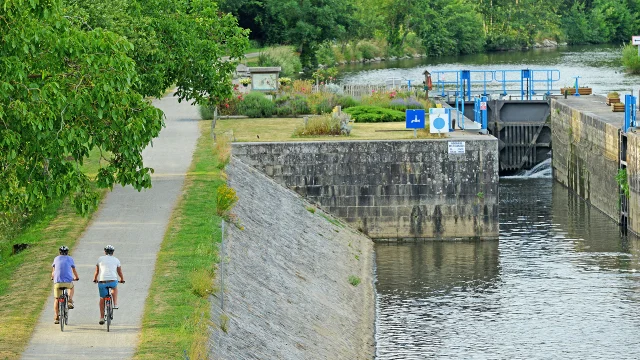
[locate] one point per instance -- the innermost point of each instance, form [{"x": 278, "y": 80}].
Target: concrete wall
[
  {"x": 285, "y": 279},
  {"x": 391, "y": 189},
  {"x": 633, "y": 176},
  {"x": 585, "y": 156}
]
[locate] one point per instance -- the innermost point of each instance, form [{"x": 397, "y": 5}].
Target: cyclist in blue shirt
[{"x": 63, "y": 274}]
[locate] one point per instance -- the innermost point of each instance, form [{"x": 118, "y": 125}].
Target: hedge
[{"x": 365, "y": 114}]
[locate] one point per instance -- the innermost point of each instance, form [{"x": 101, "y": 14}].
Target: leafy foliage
[
  {"x": 305, "y": 24},
  {"x": 630, "y": 59},
  {"x": 346, "y": 102},
  {"x": 319, "y": 125},
  {"x": 374, "y": 114},
  {"x": 282, "y": 56},
  {"x": 256, "y": 105},
  {"x": 64, "y": 92},
  {"x": 175, "y": 42},
  {"x": 402, "y": 104}
]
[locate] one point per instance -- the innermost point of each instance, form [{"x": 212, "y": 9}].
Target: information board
[{"x": 456, "y": 147}]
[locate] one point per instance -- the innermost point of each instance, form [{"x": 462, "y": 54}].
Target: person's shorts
[
  {"x": 102, "y": 287},
  {"x": 56, "y": 288}
]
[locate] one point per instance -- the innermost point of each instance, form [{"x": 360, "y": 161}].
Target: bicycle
[
  {"x": 63, "y": 308},
  {"x": 108, "y": 307}
]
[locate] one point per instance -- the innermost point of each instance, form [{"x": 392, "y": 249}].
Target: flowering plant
[
  {"x": 245, "y": 81},
  {"x": 284, "y": 81}
]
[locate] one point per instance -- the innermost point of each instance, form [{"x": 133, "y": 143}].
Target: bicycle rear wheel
[
  {"x": 108, "y": 311},
  {"x": 61, "y": 313}
]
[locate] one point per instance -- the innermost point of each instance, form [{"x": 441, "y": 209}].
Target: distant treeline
[{"x": 434, "y": 27}]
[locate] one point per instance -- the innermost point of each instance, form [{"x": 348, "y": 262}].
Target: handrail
[{"x": 464, "y": 80}]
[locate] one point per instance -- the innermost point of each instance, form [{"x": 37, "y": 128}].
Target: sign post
[
  {"x": 439, "y": 121},
  {"x": 415, "y": 120},
  {"x": 635, "y": 40}
]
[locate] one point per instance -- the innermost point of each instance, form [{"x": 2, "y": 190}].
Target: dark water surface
[
  {"x": 561, "y": 283},
  {"x": 599, "y": 67}
]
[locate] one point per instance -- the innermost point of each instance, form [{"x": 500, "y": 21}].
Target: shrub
[
  {"x": 369, "y": 50},
  {"x": 319, "y": 125},
  {"x": 299, "y": 105},
  {"x": 256, "y": 105},
  {"x": 334, "y": 89},
  {"x": 324, "y": 106},
  {"x": 374, "y": 114},
  {"x": 284, "y": 110},
  {"x": 630, "y": 59},
  {"x": 302, "y": 86},
  {"x": 206, "y": 112},
  {"x": 354, "y": 280},
  {"x": 380, "y": 99},
  {"x": 406, "y": 103},
  {"x": 346, "y": 102},
  {"x": 326, "y": 55},
  {"x": 321, "y": 102},
  {"x": 282, "y": 56}
]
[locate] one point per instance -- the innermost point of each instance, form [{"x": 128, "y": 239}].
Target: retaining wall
[
  {"x": 633, "y": 177},
  {"x": 392, "y": 189},
  {"x": 287, "y": 281},
  {"x": 585, "y": 155}
]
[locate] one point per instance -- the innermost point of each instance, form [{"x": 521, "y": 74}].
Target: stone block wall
[
  {"x": 633, "y": 177},
  {"x": 585, "y": 156},
  {"x": 391, "y": 189}
]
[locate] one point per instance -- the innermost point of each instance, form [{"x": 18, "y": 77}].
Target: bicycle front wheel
[{"x": 108, "y": 310}]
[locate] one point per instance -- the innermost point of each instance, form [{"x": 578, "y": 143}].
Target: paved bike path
[{"x": 134, "y": 223}]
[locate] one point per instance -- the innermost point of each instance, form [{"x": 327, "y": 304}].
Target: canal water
[
  {"x": 560, "y": 283},
  {"x": 599, "y": 67}
]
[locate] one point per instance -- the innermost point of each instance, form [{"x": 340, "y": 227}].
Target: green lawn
[
  {"x": 272, "y": 129},
  {"x": 176, "y": 316}
]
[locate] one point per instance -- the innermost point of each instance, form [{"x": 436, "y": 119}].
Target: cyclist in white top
[{"x": 107, "y": 271}]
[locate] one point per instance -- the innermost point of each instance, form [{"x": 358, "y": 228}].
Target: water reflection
[
  {"x": 560, "y": 283},
  {"x": 599, "y": 66}
]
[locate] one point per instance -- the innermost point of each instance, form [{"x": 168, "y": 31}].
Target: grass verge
[
  {"x": 177, "y": 312},
  {"x": 282, "y": 129},
  {"x": 24, "y": 277}
]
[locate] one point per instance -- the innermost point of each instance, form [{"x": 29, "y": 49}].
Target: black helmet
[
  {"x": 64, "y": 250},
  {"x": 109, "y": 249}
]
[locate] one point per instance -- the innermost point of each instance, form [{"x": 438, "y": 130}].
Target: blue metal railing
[
  {"x": 629, "y": 112},
  {"x": 526, "y": 82},
  {"x": 480, "y": 111}
]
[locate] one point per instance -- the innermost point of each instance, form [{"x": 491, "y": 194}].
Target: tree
[
  {"x": 64, "y": 92},
  {"x": 176, "y": 42},
  {"x": 303, "y": 23}
]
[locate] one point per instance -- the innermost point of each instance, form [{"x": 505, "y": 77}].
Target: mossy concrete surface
[{"x": 284, "y": 288}]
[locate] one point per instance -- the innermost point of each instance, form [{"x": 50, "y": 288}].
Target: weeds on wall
[
  {"x": 226, "y": 198},
  {"x": 623, "y": 182}
]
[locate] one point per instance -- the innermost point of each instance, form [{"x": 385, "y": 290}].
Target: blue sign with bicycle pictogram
[{"x": 415, "y": 119}]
